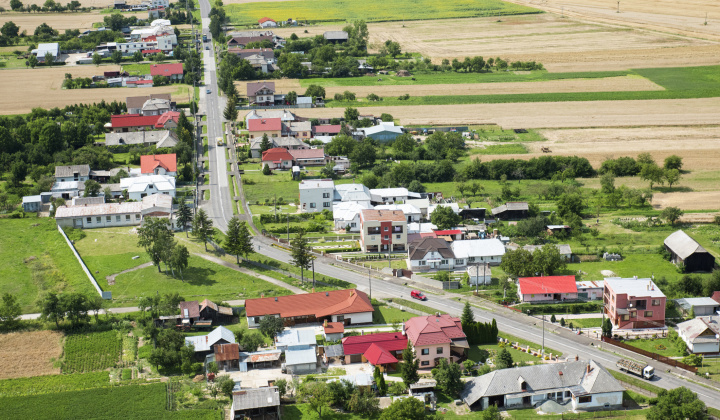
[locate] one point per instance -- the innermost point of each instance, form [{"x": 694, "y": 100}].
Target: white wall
[
  {"x": 135, "y": 220},
  {"x": 253, "y": 324},
  {"x": 704, "y": 347},
  {"x": 71, "y": 178},
  {"x": 356, "y": 318},
  {"x": 315, "y": 196},
  {"x": 138, "y": 196},
  {"x": 599, "y": 400}
]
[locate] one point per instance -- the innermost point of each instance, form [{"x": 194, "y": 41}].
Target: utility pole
[
  {"x": 288, "y": 228},
  {"x": 313, "y": 268},
  {"x": 370, "y": 281},
  {"x": 618, "y": 10},
  {"x": 543, "y": 340}
]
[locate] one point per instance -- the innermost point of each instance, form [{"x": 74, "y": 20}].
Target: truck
[{"x": 642, "y": 370}]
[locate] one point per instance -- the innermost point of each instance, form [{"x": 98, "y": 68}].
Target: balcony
[
  {"x": 373, "y": 231},
  {"x": 397, "y": 229}
]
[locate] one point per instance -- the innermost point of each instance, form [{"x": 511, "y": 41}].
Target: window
[
  {"x": 117, "y": 218},
  {"x": 648, "y": 314},
  {"x": 353, "y": 224},
  {"x": 312, "y": 205},
  {"x": 326, "y": 195},
  {"x": 443, "y": 262},
  {"x": 256, "y": 320},
  {"x": 625, "y": 317},
  {"x": 425, "y": 352},
  {"x": 425, "y": 363},
  {"x": 386, "y": 228},
  {"x": 439, "y": 350},
  {"x": 127, "y": 217},
  {"x": 422, "y": 262},
  {"x": 89, "y": 219},
  {"x": 656, "y": 302},
  {"x": 585, "y": 399},
  {"x": 387, "y": 237},
  {"x": 326, "y": 204},
  {"x": 108, "y": 219},
  {"x": 137, "y": 217},
  {"x": 633, "y": 314},
  {"x": 398, "y": 236},
  {"x": 98, "y": 219}
]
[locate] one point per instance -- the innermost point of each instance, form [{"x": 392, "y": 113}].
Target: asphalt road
[{"x": 220, "y": 210}]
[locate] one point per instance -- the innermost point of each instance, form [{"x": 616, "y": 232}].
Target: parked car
[
  {"x": 207, "y": 91},
  {"x": 416, "y": 294}
]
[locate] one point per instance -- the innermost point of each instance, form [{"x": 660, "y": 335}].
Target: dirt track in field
[
  {"x": 42, "y": 87},
  {"x": 29, "y": 353}
]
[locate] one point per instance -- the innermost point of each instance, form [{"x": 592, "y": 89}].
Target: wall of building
[
  {"x": 481, "y": 279},
  {"x": 356, "y": 318},
  {"x": 613, "y": 399},
  {"x": 253, "y": 324},
  {"x": 333, "y": 337},
  {"x": 322, "y": 198},
  {"x": 544, "y": 297},
  {"x": 82, "y": 222},
  {"x": 71, "y": 178},
  {"x": 700, "y": 348},
  {"x": 432, "y": 354}
]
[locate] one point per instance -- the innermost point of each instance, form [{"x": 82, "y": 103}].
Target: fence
[
  {"x": 654, "y": 356},
  {"x": 104, "y": 295}
]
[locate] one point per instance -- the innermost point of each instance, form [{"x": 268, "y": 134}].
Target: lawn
[
  {"x": 304, "y": 412},
  {"x": 711, "y": 366},
  {"x": 36, "y": 259},
  {"x": 109, "y": 251},
  {"x": 417, "y": 306},
  {"x": 641, "y": 265},
  {"x": 518, "y": 356},
  {"x": 371, "y": 10},
  {"x": 203, "y": 279},
  {"x": 586, "y": 322},
  {"x": 500, "y": 149},
  {"x": 384, "y": 314},
  {"x": 147, "y": 401},
  {"x": 49, "y": 384},
  {"x": 661, "y": 346}
]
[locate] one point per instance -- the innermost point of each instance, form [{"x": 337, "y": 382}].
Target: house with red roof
[
  {"x": 132, "y": 122},
  {"x": 174, "y": 70},
  {"x": 333, "y": 331},
  {"x": 277, "y": 158},
  {"x": 548, "y": 288},
  {"x": 262, "y": 126},
  {"x": 436, "y": 337},
  {"x": 158, "y": 164},
  {"x": 327, "y": 130},
  {"x": 266, "y": 22},
  {"x": 168, "y": 120},
  {"x": 348, "y": 306},
  {"x": 380, "y": 349}
]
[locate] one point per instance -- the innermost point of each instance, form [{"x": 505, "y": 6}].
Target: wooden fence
[{"x": 654, "y": 356}]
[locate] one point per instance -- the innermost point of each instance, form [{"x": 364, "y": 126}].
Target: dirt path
[
  {"x": 243, "y": 270},
  {"x": 111, "y": 278}
]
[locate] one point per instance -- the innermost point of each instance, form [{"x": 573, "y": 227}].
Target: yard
[
  {"x": 385, "y": 314},
  {"x": 110, "y": 250},
  {"x": 203, "y": 279},
  {"x": 518, "y": 356},
  {"x": 661, "y": 346},
  {"x": 36, "y": 259}
]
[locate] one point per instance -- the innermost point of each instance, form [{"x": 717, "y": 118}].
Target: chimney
[
  {"x": 588, "y": 368},
  {"x": 327, "y": 294},
  {"x": 351, "y": 292},
  {"x": 560, "y": 373},
  {"x": 313, "y": 290},
  {"x": 206, "y": 338},
  {"x": 362, "y": 332},
  {"x": 437, "y": 314},
  {"x": 577, "y": 357},
  {"x": 262, "y": 295},
  {"x": 325, "y": 323},
  {"x": 275, "y": 298}
]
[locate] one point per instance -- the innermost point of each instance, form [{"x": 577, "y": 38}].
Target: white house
[
  {"x": 590, "y": 289},
  {"x": 412, "y": 213},
  {"x": 316, "y": 195},
  {"x": 266, "y": 22},
  {"x": 142, "y": 186},
  {"x": 42, "y": 50},
  {"x": 454, "y": 206},
  {"x": 421, "y": 204},
  {"x": 701, "y": 334},
  {"x": 99, "y": 215},
  {"x": 430, "y": 254},
  {"x": 72, "y": 173},
  {"x": 488, "y": 251},
  {"x": 68, "y": 190},
  {"x": 583, "y": 385},
  {"x": 205, "y": 343},
  {"x": 352, "y": 192},
  {"x": 391, "y": 195},
  {"x": 348, "y": 213}
]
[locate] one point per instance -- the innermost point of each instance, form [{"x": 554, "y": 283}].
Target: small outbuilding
[
  {"x": 333, "y": 331},
  {"x": 701, "y": 306},
  {"x": 686, "y": 251},
  {"x": 512, "y": 210},
  {"x": 479, "y": 274},
  {"x": 301, "y": 360},
  {"x": 256, "y": 403},
  {"x": 336, "y": 37}
]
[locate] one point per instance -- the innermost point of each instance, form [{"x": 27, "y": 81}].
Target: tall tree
[
  {"x": 92, "y": 188},
  {"x": 678, "y": 404},
  {"x": 607, "y": 328},
  {"x": 203, "y": 227},
  {"x": 246, "y": 246},
  {"x": 448, "y": 377},
  {"x": 467, "y": 317},
  {"x": 265, "y": 144},
  {"x": 155, "y": 236},
  {"x": 404, "y": 409},
  {"x": 179, "y": 259},
  {"x": 504, "y": 359},
  {"x": 10, "y": 311},
  {"x": 300, "y": 251},
  {"x": 671, "y": 214},
  {"x": 232, "y": 241},
  {"x": 410, "y": 366},
  {"x": 51, "y": 310},
  {"x": 183, "y": 215},
  {"x": 316, "y": 395},
  {"x": 445, "y": 218}
]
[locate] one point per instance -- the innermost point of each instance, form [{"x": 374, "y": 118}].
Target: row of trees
[
  {"x": 155, "y": 235},
  {"x": 543, "y": 261}
]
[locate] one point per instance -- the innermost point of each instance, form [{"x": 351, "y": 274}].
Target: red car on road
[{"x": 416, "y": 294}]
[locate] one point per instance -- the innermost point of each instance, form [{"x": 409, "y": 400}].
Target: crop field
[
  {"x": 36, "y": 259},
  {"x": 370, "y": 11},
  {"x": 203, "y": 279},
  {"x": 42, "y": 87},
  {"x": 561, "y": 44},
  {"x": 49, "y": 384},
  {"x": 29, "y": 354},
  {"x": 58, "y": 21},
  {"x": 120, "y": 402},
  {"x": 91, "y": 351},
  {"x": 110, "y": 250}
]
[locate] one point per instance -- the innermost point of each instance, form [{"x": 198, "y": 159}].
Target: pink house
[
  {"x": 436, "y": 337},
  {"x": 544, "y": 289},
  {"x": 634, "y": 303}
]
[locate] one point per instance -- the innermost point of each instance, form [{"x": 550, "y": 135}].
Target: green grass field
[
  {"x": 586, "y": 322},
  {"x": 371, "y": 11},
  {"x": 203, "y": 279},
  {"x": 387, "y": 315},
  {"x": 679, "y": 83},
  {"x": 36, "y": 259},
  {"x": 53, "y": 383},
  {"x": 500, "y": 149},
  {"x": 121, "y": 402},
  {"x": 109, "y": 251},
  {"x": 662, "y": 346}
]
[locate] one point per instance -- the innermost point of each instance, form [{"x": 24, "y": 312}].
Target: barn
[{"x": 685, "y": 251}]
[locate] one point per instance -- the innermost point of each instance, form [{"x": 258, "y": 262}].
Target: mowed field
[
  {"x": 58, "y": 21},
  {"x": 42, "y": 87},
  {"x": 561, "y": 44},
  {"x": 624, "y": 83},
  {"x": 27, "y": 354}
]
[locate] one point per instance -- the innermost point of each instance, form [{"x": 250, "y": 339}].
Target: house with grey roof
[
  {"x": 72, "y": 173},
  {"x": 300, "y": 360},
  {"x": 512, "y": 210},
  {"x": 585, "y": 385},
  {"x": 161, "y": 138},
  {"x": 700, "y": 306},
  {"x": 430, "y": 254},
  {"x": 256, "y": 403},
  {"x": 701, "y": 334},
  {"x": 336, "y": 37},
  {"x": 204, "y": 343},
  {"x": 289, "y": 143},
  {"x": 686, "y": 251}
]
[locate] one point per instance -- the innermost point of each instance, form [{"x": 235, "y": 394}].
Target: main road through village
[{"x": 219, "y": 208}]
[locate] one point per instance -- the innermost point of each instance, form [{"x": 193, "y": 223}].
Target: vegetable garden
[{"x": 93, "y": 351}]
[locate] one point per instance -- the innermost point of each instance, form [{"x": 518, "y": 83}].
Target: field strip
[
  {"x": 29, "y": 353},
  {"x": 660, "y": 112},
  {"x": 59, "y": 21},
  {"x": 42, "y": 87},
  {"x": 609, "y": 84},
  {"x": 693, "y": 200}
]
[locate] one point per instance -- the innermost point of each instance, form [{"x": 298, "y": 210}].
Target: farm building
[
  {"x": 385, "y": 131},
  {"x": 227, "y": 356},
  {"x": 266, "y": 22},
  {"x": 162, "y": 138},
  {"x": 256, "y": 403},
  {"x": 300, "y": 360},
  {"x": 685, "y": 251},
  {"x": 512, "y": 210},
  {"x": 336, "y": 37},
  {"x": 32, "y": 203},
  {"x": 72, "y": 173},
  {"x": 544, "y": 289},
  {"x": 333, "y": 331},
  {"x": 204, "y": 344}
]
